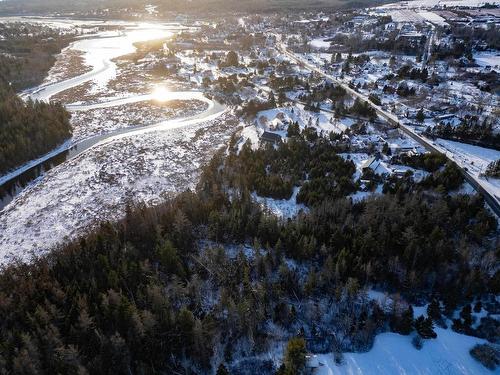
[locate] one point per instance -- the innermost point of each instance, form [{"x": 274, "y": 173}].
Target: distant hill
[
  {"x": 188, "y": 6},
  {"x": 45, "y": 6},
  {"x": 262, "y": 5}
]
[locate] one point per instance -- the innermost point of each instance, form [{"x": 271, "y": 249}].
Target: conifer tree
[
  {"x": 420, "y": 115},
  {"x": 295, "y": 356},
  {"x": 425, "y": 328},
  {"x": 406, "y": 322},
  {"x": 222, "y": 370},
  {"x": 434, "y": 310},
  {"x": 466, "y": 315}
]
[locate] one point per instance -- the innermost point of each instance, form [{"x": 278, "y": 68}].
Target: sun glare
[{"x": 161, "y": 94}]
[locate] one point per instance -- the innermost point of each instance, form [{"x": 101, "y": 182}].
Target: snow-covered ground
[
  {"x": 250, "y": 134},
  {"x": 96, "y": 185},
  {"x": 433, "y": 17},
  {"x": 475, "y": 159},
  {"x": 491, "y": 59},
  {"x": 393, "y": 354},
  {"x": 406, "y": 15},
  {"x": 276, "y": 119},
  {"x": 283, "y": 208},
  {"x": 320, "y": 43},
  {"x": 427, "y": 4},
  {"x": 144, "y": 165}
]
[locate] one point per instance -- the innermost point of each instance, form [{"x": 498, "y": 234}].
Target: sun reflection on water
[{"x": 161, "y": 94}]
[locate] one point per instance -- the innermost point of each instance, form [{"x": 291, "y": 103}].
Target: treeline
[
  {"x": 407, "y": 72},
  {"x": 323, "y": 92},
  {"x": 29, "y": 129},
  {"x": 306, "y": 160},
  {"x": 27, "y": 53},
  {"x": 470, "y": 130},
  {"x": 493, "y": 169},
  {"x": 357, "y": 43},
  {"x": 171, "y": 288},
  {"x": 429, "y": 162},
  {"x": 481, "y": 38},
  {"x": 363, "y": 109},
  {"x": 455, "y": 50}
]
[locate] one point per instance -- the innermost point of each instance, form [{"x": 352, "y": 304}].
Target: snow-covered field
[
  {"x": 406, "y": 15},
  {"x": 491, "y": 59},
  {"x": 427, "y": 4},
  {"x": 96, "y": 185},
  {"x": 146, "y": 165},
  {"x": 393, "y": 354},
  {"x": 433, "y": 17},
  {"x": 320, "y": 43},
  {"x": 475, "y": 159}
]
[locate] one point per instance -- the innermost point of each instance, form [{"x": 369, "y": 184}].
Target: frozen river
[{"x": 98, "y": 53}]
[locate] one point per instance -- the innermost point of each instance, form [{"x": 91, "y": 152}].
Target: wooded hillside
[{"x": 209, "y": 280}]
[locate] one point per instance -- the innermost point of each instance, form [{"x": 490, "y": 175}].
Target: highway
[{"x": 489, "y": 196}]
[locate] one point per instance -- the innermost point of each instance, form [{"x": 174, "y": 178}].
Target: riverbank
[
  {"x": 93, "y": 57},
  {"x": 132, "y": 141},
  {"x": 96, "y": 186}
]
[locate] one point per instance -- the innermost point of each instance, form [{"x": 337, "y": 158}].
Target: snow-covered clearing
[
  {"x": 491, "y": 59},
  {"x": 251, "y": 134},
  {"x": 357, "y": 159},
  {"x": 97, "y": 185},
  {"x": 433, "y": 17},
  {"x": 283, "y": 208},
  {"x": 276, "y": 120},
  {"x": 475, "y": 159},
  {"x": 320, "y": 43},
  {"x": 362, "y": 195},
  {"x": 427, "y": 4},
  {"x": 479, "y": 157},
  {"x": 406, "y": 15},
  {"x": 393, "y": 354}
]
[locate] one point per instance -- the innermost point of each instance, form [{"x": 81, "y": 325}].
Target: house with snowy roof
[
  {"x": 371, "y": 163},
  {"x": 270, "y": 138}
]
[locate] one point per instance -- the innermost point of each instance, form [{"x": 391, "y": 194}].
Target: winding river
[{"x": 99, "y": 51}]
